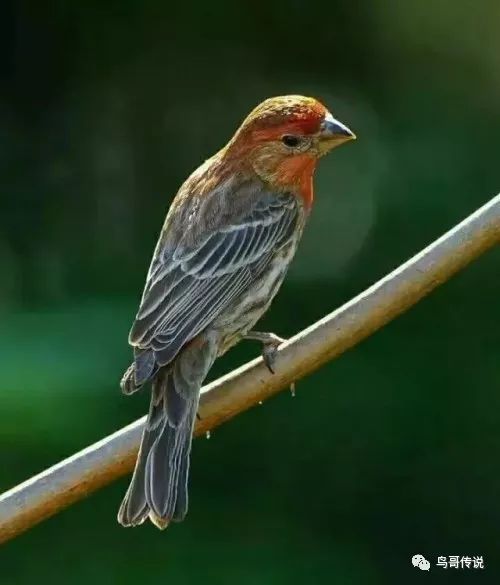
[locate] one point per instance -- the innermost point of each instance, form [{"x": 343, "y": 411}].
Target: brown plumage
[{"x": 223, "y": 252}]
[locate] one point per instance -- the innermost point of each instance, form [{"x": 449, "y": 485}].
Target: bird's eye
[{"x": 291, "y": 141}]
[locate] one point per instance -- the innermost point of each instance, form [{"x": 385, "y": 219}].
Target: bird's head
[{"x": 283, "y": 138}]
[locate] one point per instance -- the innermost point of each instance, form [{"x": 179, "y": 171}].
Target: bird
[{"x": 222, "y": 254}]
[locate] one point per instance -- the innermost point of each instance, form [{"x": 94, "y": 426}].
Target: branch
[{"x": 85, "y": 472}]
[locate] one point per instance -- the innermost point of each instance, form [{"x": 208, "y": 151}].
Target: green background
[{"x": 391, "y": 450}]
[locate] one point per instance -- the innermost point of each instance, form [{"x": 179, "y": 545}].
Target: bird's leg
[{"x": 270, "y": 343}]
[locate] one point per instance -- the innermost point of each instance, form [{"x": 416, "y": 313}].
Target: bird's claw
[
  {"x": 269, "y": 352},
  {"x": 270, "y": 343}
]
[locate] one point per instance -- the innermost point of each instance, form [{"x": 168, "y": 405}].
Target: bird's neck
[
  {"x": 296, "y": 174},
  {"x": 292, "y": 173}
]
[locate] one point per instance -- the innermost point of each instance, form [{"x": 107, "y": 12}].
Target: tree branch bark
[{"x": 85, "y": 472}]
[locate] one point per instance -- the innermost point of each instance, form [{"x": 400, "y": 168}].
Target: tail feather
[
  {"x": 167, "y": 464},
  {"x": 134, "y": 508},
  {"x": 159, "y": 486}
]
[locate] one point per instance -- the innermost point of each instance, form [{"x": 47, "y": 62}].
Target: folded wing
[{"x": 189, "y": 286}]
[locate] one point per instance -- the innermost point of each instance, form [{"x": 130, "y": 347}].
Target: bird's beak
[{"x": 332, "y": 133}]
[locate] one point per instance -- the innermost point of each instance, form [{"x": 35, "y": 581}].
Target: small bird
[{"x": 225, "y": 247}]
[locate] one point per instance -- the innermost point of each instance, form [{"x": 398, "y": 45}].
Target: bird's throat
[{"x": 297, "y": 172}]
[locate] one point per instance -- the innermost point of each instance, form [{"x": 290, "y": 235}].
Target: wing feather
[{"x": 189, "y": 286}]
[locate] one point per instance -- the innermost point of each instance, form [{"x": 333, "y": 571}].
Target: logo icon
[{"x": 421, "y": 562}]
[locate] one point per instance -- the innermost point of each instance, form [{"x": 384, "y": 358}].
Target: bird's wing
[{"x": 188, "y": 286}]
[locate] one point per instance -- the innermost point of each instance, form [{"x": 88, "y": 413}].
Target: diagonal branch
[{"x": 85, "y": 472}]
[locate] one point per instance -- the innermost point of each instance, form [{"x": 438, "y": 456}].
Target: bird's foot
[{"x": 270, "y": 343}]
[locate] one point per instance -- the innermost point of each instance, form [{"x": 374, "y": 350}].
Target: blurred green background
[{"x": 391, "y": 450}]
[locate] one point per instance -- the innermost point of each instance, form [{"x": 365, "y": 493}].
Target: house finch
[{"x": 223, "y": 252}]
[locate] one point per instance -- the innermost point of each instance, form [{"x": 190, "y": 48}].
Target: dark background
[{"x": 392, "y": 450}]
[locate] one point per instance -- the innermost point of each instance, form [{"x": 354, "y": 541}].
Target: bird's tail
[{"x": 159, "y": 484}]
